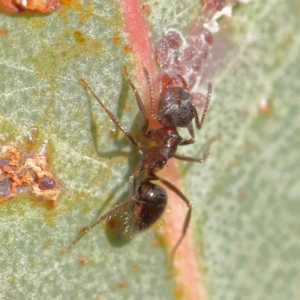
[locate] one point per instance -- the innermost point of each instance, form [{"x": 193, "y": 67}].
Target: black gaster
[{"x": 150, "y": 206}]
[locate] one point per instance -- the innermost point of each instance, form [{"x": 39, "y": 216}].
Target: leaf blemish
[
  {"x": 79, "y": 37},
  {"x": 26, "y": 172}
]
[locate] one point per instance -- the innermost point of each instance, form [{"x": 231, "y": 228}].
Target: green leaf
[{"x": 245, "y": 223}]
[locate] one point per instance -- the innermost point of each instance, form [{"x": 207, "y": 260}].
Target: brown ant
[{"x": 175, "y": 109}]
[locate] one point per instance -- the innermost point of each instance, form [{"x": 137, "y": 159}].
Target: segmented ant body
[{"x": 175, "y": 110}]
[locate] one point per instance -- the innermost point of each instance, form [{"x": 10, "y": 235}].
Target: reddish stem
[{"x": 187, "y": 272}]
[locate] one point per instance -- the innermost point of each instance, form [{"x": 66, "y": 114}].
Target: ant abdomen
[
  {"x": 150, "y": 205},
  {"x": 175, "y": 107}
]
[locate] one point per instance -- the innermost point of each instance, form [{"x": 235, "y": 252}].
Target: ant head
[
  {"x": 175, "y": 107},
  {"x": 152, "y": 200}
]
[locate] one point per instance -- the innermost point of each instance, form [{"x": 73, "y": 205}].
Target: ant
[{"x": 175, "y": 109}]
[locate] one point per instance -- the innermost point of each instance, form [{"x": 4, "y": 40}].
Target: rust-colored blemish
[
  {"x": 79, "y": 37},
  {"x": 3, "y": 32},
  {"x": 53, "y": 59},
  {"x": 135, "y": 268},
  {"x": 265, "y": 107},
  {"x": 66, "y": 3},
  {"x": 83, "y": 261},
  {"x": 178, "y": 292},
  {"x": 127, "y": 48},
  {"x": 26, "y": 172},
  {"x": 64, "y": 15},
  {"x": 85, "y": 11},
  {"x": 146, "y": 7},
  {"x": 116, "y": 39}
]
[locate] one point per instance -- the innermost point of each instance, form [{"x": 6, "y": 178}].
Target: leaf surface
[{"x": 245, "y": 224}]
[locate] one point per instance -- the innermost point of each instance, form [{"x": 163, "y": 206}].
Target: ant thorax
[{"x": 166, "y": 139}]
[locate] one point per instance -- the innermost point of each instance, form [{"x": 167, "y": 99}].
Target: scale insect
[{"x": 175, "y": 109}]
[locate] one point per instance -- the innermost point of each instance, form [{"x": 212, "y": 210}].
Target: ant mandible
[{"x": 175, "y": 109}]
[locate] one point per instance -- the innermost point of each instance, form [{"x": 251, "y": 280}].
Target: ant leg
[
  {"x": 132, "y": 179},
  {"x": 205, "y": 153},
  {"x": 200, "y": 123},
  {"x": 191, "y": 131},
  {"x": 150, "y": 87},
  {"x": 188, "y": 215},
  {"x": 85, "y": 230},
  {"x": 111, "y": 115},
  {"x": 190, "y": 141},
  {"x": 139, "y": 102},
  {"x": 191, "y": 159},
  {"x": 110, "y": 213}
]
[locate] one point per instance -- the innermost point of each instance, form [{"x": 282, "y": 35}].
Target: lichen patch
[{"x": 26, "y": 172}]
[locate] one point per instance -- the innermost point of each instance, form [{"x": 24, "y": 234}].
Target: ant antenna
[
  {"x": 138, "y": 100},
  {"x": 111, "y": 115},
  {"x": 150, "y": 87},
  {"x": 209, "y": 91}
]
